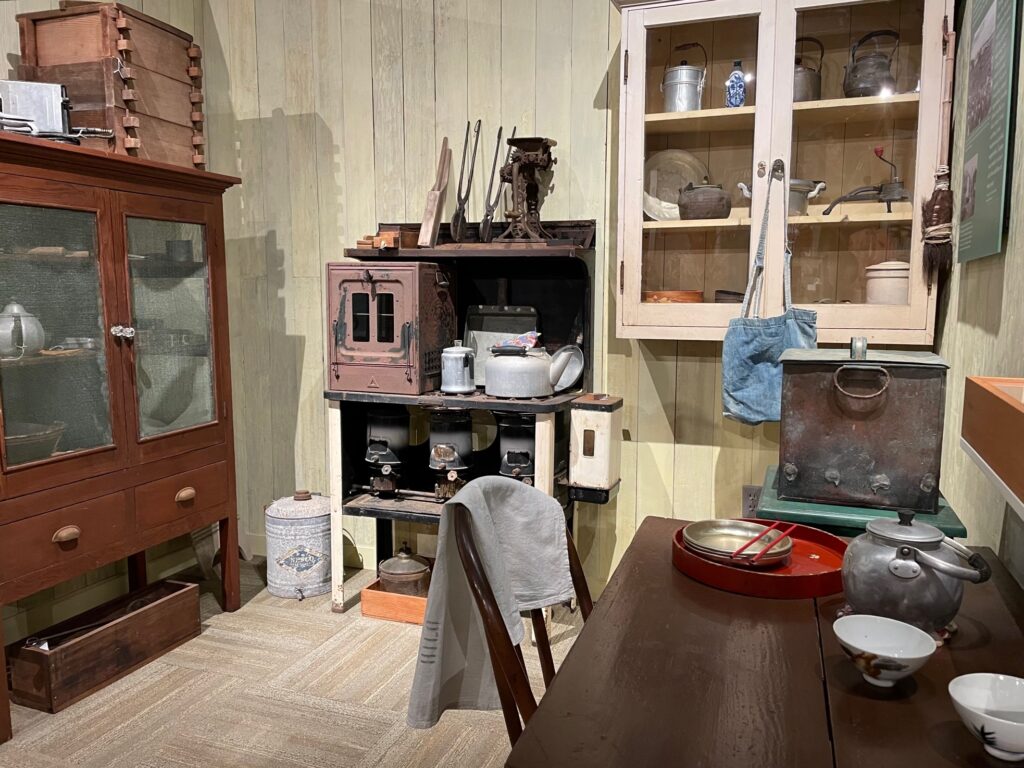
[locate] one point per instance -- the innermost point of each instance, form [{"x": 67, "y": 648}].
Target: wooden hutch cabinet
[
  {"x": 832, "y": 135},
  {"x": 115, "y": 389}
]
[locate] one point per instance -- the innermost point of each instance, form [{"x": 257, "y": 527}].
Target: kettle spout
[{"x": 558, "y": 366}]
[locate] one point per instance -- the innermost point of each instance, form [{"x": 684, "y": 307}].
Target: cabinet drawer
[
  {"x": 166, "y": 500},
  {"x": 62, "y": 535}
]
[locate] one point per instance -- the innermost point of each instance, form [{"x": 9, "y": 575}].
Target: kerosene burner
[
  {"x": 516, "y": 444},
  {"x": 451, "y": 449},
  {"x": 387, "y": 441}
]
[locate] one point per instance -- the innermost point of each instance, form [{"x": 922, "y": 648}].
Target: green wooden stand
[{"x": 842, "y": 520}]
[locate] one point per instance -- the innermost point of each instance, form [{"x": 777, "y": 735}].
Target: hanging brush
[
  {"x": 937, "y": 221},
  {"x": 937, "y": 211}
]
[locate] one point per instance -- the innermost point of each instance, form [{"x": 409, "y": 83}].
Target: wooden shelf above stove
[{"x": 571, "y": 239}]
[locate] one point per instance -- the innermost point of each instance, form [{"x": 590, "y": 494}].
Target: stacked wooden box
[{"x": 124, "y": 71}]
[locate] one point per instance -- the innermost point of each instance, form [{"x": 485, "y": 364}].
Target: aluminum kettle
[
  {"x": 870, "y": 74},
  {"x": 522, "y": 372},
  {"x": 806, "y": 80},
  {"x": 21, "y": 333},
  {"x": 909, "y": 571}
]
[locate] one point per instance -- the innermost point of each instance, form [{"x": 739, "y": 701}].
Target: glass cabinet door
[
  {"x": 55, "y": 381},
  {"x": 862, "y": 120},
  {"x": 171, "y": 325},
  {"x": 696, "y": 125}
]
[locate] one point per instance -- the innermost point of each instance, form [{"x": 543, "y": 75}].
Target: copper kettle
[{"x": 870, "y": 74}]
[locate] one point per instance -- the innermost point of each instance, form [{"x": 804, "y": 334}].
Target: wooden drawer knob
[
  {"x": 67, "y": 533},
  {"x": 185, "y": 494}
]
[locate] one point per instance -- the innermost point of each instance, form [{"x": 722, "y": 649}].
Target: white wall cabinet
[{"x": 681, "y": 278}]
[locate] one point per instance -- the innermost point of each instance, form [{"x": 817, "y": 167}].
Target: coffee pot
[
  {"x": 457, "y": 369},
  {"x": 909, "y": 571},
  {"x": 870, "y": 74},
  {"x": 21, "y": 333}
]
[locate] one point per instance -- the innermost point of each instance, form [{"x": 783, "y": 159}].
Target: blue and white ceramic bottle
[{"x": 735, "y": 86}]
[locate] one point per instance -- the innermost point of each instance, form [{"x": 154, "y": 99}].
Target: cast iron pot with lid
[
  {"x": 909, "y": 571},
  {"x": 405, "y": 574}
]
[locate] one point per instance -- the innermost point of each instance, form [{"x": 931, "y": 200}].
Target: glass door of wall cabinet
[
  {"x": 862, "y": 117},
  {"x": 59, "y": 374},
  {"x": 696, "y": 141},
  {"x": 170, "y": 330}
]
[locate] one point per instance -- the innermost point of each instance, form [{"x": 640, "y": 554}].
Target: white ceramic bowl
[
  {"x": 992, "y": 708},
  {"x": 884, "y": 650}
]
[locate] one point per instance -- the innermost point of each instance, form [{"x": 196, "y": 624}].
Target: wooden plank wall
[
  {"x": 332, "y": 113},
  {"x": 981, "y": 330}
]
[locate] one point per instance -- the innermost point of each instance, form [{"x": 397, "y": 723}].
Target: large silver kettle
[
  {"x": 21, "y": 333},
  {"x": 522, "y": 372},
  {"x": 909, "y": 571},
  {"x": 870, "y": 74}
]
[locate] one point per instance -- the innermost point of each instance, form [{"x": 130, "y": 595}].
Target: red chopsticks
[{"x": 767, "y": 529}]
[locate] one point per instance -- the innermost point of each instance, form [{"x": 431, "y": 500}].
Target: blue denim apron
[{"x": 751, "y": 371}]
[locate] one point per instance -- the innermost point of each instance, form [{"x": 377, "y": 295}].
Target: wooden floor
[{"x": 279, "y": 683}]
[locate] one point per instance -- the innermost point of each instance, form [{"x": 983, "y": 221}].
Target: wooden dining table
[{"x": 670, "y": 672}]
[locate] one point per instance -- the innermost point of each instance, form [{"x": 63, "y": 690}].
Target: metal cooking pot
[
  {"x": 909, "y": 571},
  {"x": 870, "y": 74},
  {"x": 522, "y": 372},
  {"x": 405, "y": 574},
  {"x": 457, "y": 369},
  {"x": 800, "y": 192},
  {"x": 806, "y": 80},
  {"x": 21, "y": 333},
  {"x": 683, "y": 86},
  {"x": 704, "y": 201}
]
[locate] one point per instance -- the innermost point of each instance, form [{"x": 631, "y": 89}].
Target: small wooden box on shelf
[{"x": 842, "y": 135}]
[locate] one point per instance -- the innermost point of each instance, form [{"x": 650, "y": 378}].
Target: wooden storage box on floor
[
  {"x": 80, "y": 664},
  {"x": 124, "y": 71},
  {"x": 378, "y": 604}
]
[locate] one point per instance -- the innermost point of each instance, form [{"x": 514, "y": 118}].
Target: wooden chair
[{"x": 517, "y": 699}]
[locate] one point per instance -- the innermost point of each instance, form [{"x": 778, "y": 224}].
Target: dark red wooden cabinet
[{"x": 115, "y": 388}]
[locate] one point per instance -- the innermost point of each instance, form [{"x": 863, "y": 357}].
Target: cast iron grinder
[{"x": 528, "y": 173}]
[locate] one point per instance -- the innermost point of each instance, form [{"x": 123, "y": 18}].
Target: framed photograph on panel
[{"x": 991, "y": 89}]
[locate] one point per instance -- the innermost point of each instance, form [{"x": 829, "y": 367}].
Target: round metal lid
[
  {"x": 302, "y": 505},
  {"x": 403, "y": 564},
  {"x": 905, "y": 530}
]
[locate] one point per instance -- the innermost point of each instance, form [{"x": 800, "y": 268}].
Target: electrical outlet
[{"x": 751, "y": 498}]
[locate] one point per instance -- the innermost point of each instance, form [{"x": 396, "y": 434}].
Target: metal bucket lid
[
  {"x": 301, "y": 506},
  {"x": 841, "y": 356},
  {"x": 403, "y": 564}
]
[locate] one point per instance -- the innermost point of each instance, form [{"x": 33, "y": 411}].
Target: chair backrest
[{"x": 517, "y": 699}]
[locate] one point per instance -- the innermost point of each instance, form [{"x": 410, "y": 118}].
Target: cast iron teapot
[{"x": 870, "y": 74}]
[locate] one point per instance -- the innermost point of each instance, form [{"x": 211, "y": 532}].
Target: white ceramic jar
[{"x": 888, "y": 283}]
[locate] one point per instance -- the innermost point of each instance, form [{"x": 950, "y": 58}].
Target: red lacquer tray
[{"x": 814, "y": 569}]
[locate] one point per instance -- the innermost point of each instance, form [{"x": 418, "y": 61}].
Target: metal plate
[
  {"x": 665, "y": 173},
  {"x": 770, "y": 560},
  {"x": 723, "y": 537}
]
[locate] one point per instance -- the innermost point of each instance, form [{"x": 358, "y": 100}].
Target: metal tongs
[
  {"x": 492, "y": 204},
  {"x": 462, "y": 197}
]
